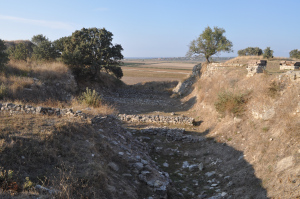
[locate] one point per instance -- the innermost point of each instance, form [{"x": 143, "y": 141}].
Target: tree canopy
[
  {"x": 19, "y": 52},
  {"x": 3, "y": 55},
  {"x": 88, "y": 51},
  {"x": 268, "y": 53},
  {"x": 43, "y": 49},
  {"x": 295, "y": 54},
  {"x": 250, "y": 51},
  {"x": 210, "y": 42}
]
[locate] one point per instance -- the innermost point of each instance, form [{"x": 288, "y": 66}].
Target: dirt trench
[{"x": 200, "y": 167}]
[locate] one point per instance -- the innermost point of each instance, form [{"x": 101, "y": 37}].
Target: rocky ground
[{"x": 198, "y": 167}]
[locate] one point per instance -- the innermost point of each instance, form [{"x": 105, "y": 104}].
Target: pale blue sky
[{"x": 158, "y": 28}]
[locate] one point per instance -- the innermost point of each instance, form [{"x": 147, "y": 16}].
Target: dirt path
[{"x": 199, "y": 167}]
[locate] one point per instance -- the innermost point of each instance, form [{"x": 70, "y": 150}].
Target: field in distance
[{"x": 147, "y": 70}]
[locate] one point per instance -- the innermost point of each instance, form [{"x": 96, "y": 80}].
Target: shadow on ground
[
  {"x": 224, "y": 169},
  {"x": 147, "y": 98}
]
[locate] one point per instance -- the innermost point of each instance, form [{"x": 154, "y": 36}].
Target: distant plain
[{"x": 139, "y": 70}]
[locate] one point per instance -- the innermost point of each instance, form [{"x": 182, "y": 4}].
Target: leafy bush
[
  {"x": 3, "y": 55},
  {"x": 295, "y": 54},
  {"x": 229, "y": 102},
  {"x": 268, "y": 53},
  {"x": 88, "y": 51},
  {"x": 91, "y": 98},
  {"x": 250, "y": 51},
  {"x": 19, "y": 52},
  {"x": 3, "y": 91},
  {"x": 43, "y": 49}
]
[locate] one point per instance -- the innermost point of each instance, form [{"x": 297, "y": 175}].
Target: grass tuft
[
  {"x": 232, "y": 103},
  {"x": 90, "y": 98},
  {"x": 3, "y": 91}
]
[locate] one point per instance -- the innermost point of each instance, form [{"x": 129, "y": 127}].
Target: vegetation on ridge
[{"x": 209, "y": 43}]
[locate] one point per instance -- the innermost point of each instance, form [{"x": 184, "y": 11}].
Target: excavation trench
[{"x": 199, "y": 166}]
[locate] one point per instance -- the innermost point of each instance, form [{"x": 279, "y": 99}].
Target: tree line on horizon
[
  {"x": 89, "y": 51},
  {"x": 86, "y": 52}
]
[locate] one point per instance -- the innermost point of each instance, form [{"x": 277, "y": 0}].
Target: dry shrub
[
  {"x": 232, "y": 103},
  {"x": 274, "y": 89}
]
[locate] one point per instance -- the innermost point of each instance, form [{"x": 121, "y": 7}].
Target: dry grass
[
  {"x": 33, "y": 147},
  {"x": 149, "y": 70},
  {"x": 32, "y": 81},
  {"x": 265, "y": 142}
]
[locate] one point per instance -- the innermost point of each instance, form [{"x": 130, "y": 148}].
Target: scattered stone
[
  {"x": 139, "y": 165},
  {"x": 44, "y": 189},
  {"x": 145, "y": 162},
  {"x": 165, "y": 164},
  {"x": 209, "y": 174},
  {"x": 113, "y": 166},
  {"x": 200, "y": 167},
  {"x": 193, "y": 167},
  {"x": 185, "y": 164},
  {"x": 223, "y": 194},
  {"x": 157, "y": 119}
]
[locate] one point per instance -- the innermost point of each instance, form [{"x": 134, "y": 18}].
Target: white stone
[{"x": 165, "y": 164}]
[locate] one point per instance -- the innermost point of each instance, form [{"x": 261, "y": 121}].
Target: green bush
[
  {"x": 3, "y": 55},
  {"x": 91, "y": 98},
  {"x": 3, "y": 91},
  {"x": 231, "y": 103}
]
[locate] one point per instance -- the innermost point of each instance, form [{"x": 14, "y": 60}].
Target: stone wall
[
  {"x": 172, "y": 134},
  {"x": 291, "y": 75},
  {"x": 183, "y": 88},
  {"x": 28, "y": 109},
  {"x": 289, "y": 65},
  {"x": 256, "y": 66},
  {"x": 157, "y": 119}
]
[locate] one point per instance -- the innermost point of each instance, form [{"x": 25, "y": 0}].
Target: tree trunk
[{"x": 207, "y": 59}]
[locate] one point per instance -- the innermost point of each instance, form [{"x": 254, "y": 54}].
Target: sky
[{"x": 158, "y": 28}]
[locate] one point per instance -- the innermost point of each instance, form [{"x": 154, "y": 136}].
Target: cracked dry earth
[{"x": 199, "y": 167}]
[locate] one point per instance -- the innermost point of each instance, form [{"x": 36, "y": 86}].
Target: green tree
[
  {"x": 250, "y": 51},
  {"x": 19, "y": 52},
  {"x": 242, "y": 52},
  {"x": 268, "y": 53},
  {"x": 43, "y": 49},
  {"x": 209, "y": 43},
  {"x": 295, "y": 54},
  {"x": 3, "y": 55},
  {"x": 60, "y": 44},
  {"x": 88, "y": 51}
]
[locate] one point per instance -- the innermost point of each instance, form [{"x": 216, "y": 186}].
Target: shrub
[
  {"x": 268, "y": 53},
  {"x": 295, "y": 54},
  {"x": 3, "y": 55},
  {"x": 91, "y": 98},
  {"x": 273, "y": 89},
  {"x": 3, "y": 91},
  {"x": 229, "y": 102}
]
